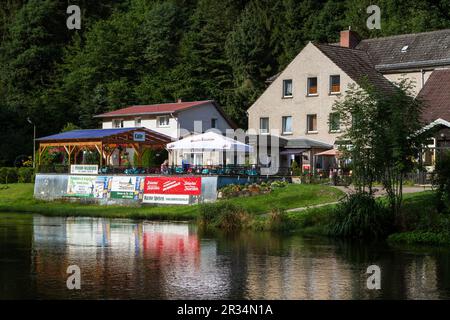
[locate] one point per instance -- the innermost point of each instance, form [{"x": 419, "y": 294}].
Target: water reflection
[{"x": 123, "y": 259}]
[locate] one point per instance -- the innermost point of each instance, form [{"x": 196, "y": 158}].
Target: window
[
  {"x": 162, "y": 121},
  {"x": 335, "y": 122},
  {"x": 312, "y": 86},
  {"x": 117, "y": 123},
  {"x": 287, "y": 125},
  {"x": 213, "y": 123},
  {"x": 335, "y": 84},
  {"x": 311, "y": 123},
  {"x": 287, "y": 88},
  {"x": 264, "y": 125},
  {"x": 137, "y": 122}
]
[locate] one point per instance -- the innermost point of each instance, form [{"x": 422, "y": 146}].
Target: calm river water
[{"x": 124, "y": 259}]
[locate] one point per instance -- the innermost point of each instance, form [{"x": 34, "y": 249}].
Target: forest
[{"x": 149, "y": 51}]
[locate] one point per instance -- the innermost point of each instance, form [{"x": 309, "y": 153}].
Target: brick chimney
[{"x": 349, "y": 39}]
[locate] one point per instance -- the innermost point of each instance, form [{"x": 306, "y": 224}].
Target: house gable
[{"x": 310, "y": 62}]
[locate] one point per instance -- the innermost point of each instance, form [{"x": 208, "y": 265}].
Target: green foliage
[
  {"x": 382, "y": 131},
  {"x": 69, "y": 126},
  {"x": 296, "y": 170},
  {"x": 145, "y": 51},
  {"x": 25, "y": 175},
  {"x": 442, "y": 182},
  {"x": 8, "y": 175},
  {"x": 361, "y": 216},
  {"x": 223, "y": 215},
  {"x": 278, "y": 220},
  {"x": 420, "y": 237},
  {"x": 152, "y": 158}
]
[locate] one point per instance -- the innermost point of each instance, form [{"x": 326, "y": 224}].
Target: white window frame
[
  {"x": 158, "y": 122},
  {"x": 140, "y": 122},
  {"x": 215, "y": 121},
  {"x": 120, "y": 121},
  {"x": 283, "y": 126},
  {"x": 307, "y": 123},
  {"x": 260, "y": 125},
  {"x": 308, "y": 86},
  {"x": 334, "y": 130},
  {"x": 331, "y": 84},
  {"x": 284, "y": 89}
]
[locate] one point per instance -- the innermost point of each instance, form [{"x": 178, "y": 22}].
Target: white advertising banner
[
  {"x": 166, "y": 198},
  {"x": 84, "y": 169}
]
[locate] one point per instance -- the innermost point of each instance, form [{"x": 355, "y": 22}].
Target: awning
[
  {"x": 330, "y": 153},
  {"x": 209, "y": 141},
  {"x": 293, "y": 151}
]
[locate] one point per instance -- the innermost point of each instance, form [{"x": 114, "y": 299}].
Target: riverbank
[
  {"x": 19, "y": 198},
  {"x": 419, "y": 223}
]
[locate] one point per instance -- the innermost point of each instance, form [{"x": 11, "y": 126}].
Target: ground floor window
[
  {"x": 264, "y": 125},
  {"x": 287, "y": 125}
]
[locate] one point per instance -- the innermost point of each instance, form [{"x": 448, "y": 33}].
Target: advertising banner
[
  {"x": 171, "y": 190},
  {"x": 87, "y": 187},
  {"x": 166, "y": 198},
  {"x": 84, "y": 169},
  {"x": 124, "y": 187}
]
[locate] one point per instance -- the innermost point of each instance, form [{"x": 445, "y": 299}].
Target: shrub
[
  {"x": 223, "y": 215},
  {"x": 25, "y": 175},
  {"x": 361, "y": 216},
  {"x": 296, "y": 170},
  {"x": 442, "y": 182},
  {"x": 278, "y": 184},
  {"x": 8, "y": 175},
  {"x": 278, "y": 220},
  {"x": 420, "y": 237}
]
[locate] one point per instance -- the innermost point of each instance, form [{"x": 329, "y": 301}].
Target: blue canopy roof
[{"x": 86, "y": 134}]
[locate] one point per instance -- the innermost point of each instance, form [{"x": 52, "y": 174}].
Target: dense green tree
[{"x": 149, "y": 51}]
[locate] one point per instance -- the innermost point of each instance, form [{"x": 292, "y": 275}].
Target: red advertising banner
[{"x": 173, "y": 185}]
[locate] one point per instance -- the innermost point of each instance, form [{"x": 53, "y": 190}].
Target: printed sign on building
[
  {"x": 171, "y": 190},
  {"x": 124, "y": 187},
  {"x": 139, "y": 136},
  {"x": 84, "y": 169},
  {"x": 87, "y": 187}
]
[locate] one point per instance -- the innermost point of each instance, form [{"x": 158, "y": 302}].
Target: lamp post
[{"x": 34, "y": 141}]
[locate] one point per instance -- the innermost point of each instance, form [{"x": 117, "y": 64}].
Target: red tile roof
[
  {"x": 153, "y": 109},
  {"x": 435, "y": 96}
]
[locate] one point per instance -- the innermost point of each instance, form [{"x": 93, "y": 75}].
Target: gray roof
[
  {"x": 357, "y": 65},
  {"x": 427, "y": 49}
]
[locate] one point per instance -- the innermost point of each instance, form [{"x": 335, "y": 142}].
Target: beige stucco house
[{"x": 297, "y": 104}]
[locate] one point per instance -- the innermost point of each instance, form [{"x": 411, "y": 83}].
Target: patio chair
[{"x": 179, "y": 170}]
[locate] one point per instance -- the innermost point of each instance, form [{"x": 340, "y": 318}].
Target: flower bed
[{"x": 248, "y": 190}]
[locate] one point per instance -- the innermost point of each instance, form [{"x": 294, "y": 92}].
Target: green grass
[
  {"x": 420, "y": 237},
  {"x": 19, "y": 198}
]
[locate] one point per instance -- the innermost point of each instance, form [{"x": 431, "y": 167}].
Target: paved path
[{"x": 349, "y": 190}]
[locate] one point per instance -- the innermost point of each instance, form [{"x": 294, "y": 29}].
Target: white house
[
  {"x": 172, "y": 119},
  {"x": 175, "y": 120}
]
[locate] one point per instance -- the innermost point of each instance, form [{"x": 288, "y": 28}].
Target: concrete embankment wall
[{"x": 100, "y": 189}]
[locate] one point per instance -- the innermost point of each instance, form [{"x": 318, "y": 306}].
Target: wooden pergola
[{"x": 104, "y": 141}]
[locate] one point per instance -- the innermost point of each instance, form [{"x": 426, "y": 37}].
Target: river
[{"x": 126, "y": 259}]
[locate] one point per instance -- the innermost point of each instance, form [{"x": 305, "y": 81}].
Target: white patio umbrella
[{"x": 209, "y": 141}]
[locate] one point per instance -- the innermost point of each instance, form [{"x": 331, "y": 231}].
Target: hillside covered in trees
[{"x": 149, "y": 51}]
